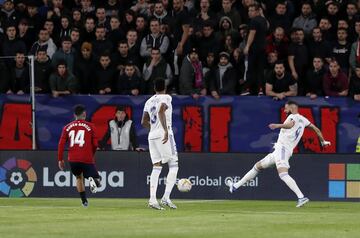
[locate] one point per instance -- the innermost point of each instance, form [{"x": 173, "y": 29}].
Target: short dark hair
[
  {"x": 129, "y": 63},
  {"x": 120, "y": 108},
  {"x": 75, "y": 29},
  {"x": 105, "y": 54},
  {"x": 256, "y": 6},
  {"x": 155, "y": 48},
  {"x": 208, "y": 23},
  {"x": 280, "y": 3},
  {"x": 154, "y": 19},
  {"x": 61, "y": 62},
  {"x": 79, "y": 109},
  {"x": 279, "y": 62},
  {"x": 122, "y": 42},
  {"x": 100, "y": 27},
  {"x": 65, "y": 38},
  {"x": 342, "y": 29},
  {"x": 159, "y": 84},
  {"x": 290, "y": 102}
]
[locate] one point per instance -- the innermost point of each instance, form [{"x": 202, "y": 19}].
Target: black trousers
[{"x": 255, "y": 71}]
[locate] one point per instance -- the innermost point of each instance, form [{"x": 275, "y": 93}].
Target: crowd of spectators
[{"x": 279, "y": 48}]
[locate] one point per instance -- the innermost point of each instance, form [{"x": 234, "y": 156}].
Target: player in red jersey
[{"x": 83, "y": 143}]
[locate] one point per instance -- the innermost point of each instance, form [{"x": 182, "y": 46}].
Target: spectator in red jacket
[
  {"x": 278, "y": 42},
  {"x": 335, "y": 82}
]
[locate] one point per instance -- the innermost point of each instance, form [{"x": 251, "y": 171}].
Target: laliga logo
[{"x": 17, "y": 178}]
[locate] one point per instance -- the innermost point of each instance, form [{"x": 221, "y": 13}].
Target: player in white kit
[
  {"x": 291, "y": 131},
  {"x": 157, "y": 116}
]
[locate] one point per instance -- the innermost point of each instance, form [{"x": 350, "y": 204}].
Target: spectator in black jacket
[
  {"x": 280, "y": 18},
  {"x": 298, "y": 58},
  {"x": 314, "y": 78},
  {"x": 33, "y": 17},
  {"x": 12, "y": 44},
  {"x": 115, "y": 34},
  {"x": 341, "y": 50},
  {"x": 101, "y": 44},
  {"x": 133, "y": 44},
  {"x": 122, "y": 56},
  {"x": 88, "y": 33},
  {"x": 84, "y": 69},
  {"x": 327, "y": 29},
  {"x": 129, "y": 83},
  {"x": 223, "y": 78},
  {"x": 75, "y": 39},
  {"x": 25, "y": 35},
  {"x": 8, "y": 14},
  {"x": 318, "y": 46},
  {"x": 205, "y": 14},
  {"x": 104, "y": 75},
  {"x": 19, "y": 75},
  {"x": 42, "y": 71},
  {"x": 208, "y": 41}
]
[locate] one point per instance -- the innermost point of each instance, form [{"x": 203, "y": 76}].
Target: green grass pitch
[{"x": 34, "y": 217}]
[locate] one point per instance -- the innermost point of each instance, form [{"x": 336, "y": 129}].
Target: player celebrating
[
  {"x": 158, "y": 117},
  {"x": 83, "y": 143},
  {"x": 291, "y": 131}
]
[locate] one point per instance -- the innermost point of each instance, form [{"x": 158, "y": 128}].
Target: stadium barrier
[
  {"x": 126, "y": 175},
  {"x": 231, "y": 124}
]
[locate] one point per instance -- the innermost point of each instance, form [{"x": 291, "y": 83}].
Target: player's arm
[
  {"x": 145, "y": 120},
  {"x": 319, "y": 134},
  {"x": 286, "y": 125},
  {"x": 102, "y": 142},
  {"x": 162, "y": 119},
  {"x": 95, "y": 139},
  {"x": 61, "y": 147}
]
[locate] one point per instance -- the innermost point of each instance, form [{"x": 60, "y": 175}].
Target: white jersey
[
  {"x": 291, "y": 137},
  {"x": 152, "y": 107}
]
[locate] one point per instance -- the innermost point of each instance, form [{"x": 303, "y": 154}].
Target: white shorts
[
  {"x": 163, "y": 153},
  {"x": 279, "y": 157}
]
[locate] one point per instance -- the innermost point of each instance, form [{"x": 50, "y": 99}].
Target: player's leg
[
  {"x": 171, "y": 178},
  {"x": 170, "y": 182},
  {"x": 252, "y": 173},
  {"x": 76, "y": 170},
  {"x": 80, "y": 186},
  {"x": 155, "y": 173},
  {"x": 169, "y": 156},
  {"x": 282, "y": 165},
  {"x": 91, "y": 173},
  {"x": 290, "y": 182}
]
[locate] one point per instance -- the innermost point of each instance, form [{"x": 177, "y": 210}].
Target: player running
[
  {"x": 291, "y": 131},
  {"x": 158, "y": 117},
  {"x": 83, "y": 143}
]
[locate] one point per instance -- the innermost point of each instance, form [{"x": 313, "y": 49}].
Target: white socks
[
  {"x": 250, "y": 175},
  {"x": 290, "y": 182},
  {"x": 154, "y": 181},
  {"x": 170, "y": 180}
]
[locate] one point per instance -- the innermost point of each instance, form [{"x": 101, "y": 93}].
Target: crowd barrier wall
[
  {"x": 330, "y": 177},
  {"x": 231, "y": 124}
]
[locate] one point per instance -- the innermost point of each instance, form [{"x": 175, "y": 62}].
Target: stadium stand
[{"x": 297, "y": 32}]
